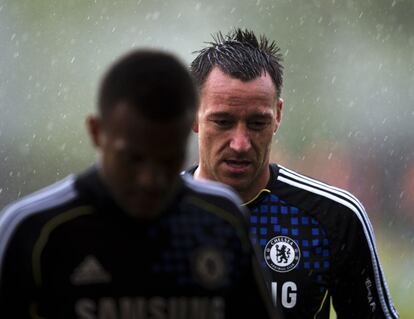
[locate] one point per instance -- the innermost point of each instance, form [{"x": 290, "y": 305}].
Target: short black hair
[
  {"x": 239, "y": 54},
  {"x": 153, "y": 81}
]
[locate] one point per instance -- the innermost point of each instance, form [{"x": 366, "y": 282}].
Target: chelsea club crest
[
  {"x": 209, "y": 267},
  {"x": 282, "y": 254}
]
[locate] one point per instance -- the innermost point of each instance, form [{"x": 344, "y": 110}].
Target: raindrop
[
  {"x": 50, "y": 126},
  {"x": 152, "y": 16}
]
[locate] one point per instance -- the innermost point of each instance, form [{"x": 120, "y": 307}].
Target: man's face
[
  {"x": 235, "y": 123},
  {"x": 140, "y": 158}
]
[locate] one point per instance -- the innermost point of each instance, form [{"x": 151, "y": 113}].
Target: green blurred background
[{"x": 348, "y": 92}]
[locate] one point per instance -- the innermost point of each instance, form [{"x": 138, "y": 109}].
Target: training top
[
  {"x": 68, "y": 251},
  {"x": 318, "y": 243}
]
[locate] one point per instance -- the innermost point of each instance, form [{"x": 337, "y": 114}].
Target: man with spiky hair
[
  {"x": 131, "y": 238},
  {"x": 316, "y": 239}
]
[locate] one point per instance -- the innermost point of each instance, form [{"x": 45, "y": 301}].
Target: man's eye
[
  {"x": 257, "y": 125},
  {"x": 223, "y": 123},
  {"x": 133, "y": 159}
]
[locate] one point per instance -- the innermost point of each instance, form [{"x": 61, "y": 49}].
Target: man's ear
[
  {"x": 279, "y": 108},
  {"x": 194, "y": 126},
  {"x": 278, "y": 115},
  {"x": 94, "y": 128}
]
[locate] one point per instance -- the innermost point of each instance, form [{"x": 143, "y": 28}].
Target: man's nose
[
  {"x": 150, "y": 177},
  {"x": 240, "y": 140}
]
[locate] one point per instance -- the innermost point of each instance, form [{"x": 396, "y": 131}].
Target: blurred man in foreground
[
  {"x": 129, "y": 238},
  {"x": 317, "y": 240}
]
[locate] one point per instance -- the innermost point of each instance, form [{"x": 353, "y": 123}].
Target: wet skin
[{"x": 235, "y": 123}]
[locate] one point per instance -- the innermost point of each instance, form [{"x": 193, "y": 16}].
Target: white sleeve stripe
[
  {"x": 360, "y": 210},
  {"x": 334, "y": 191},
  {"x": 331, "y": 188},
  {"x": 14, "y": 214},
  {"x": 361, "y": 214},
  {"x": 339, "y": 192},
  {"x": 211, "y": 188}
]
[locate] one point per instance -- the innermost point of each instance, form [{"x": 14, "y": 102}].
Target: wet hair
[
  {"x": 241, "y": 55},
  {"x": 155, "y": 82}
]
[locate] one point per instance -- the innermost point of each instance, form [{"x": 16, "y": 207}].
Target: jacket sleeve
[
  {"x": 251, "y": 297},
  {"x": 359, "y": 289},
  {"x": 16, "y": 280}
]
